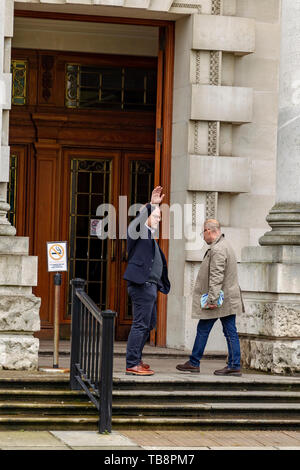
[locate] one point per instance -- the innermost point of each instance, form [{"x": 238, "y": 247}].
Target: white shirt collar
[{"x": 149, "y": 228}]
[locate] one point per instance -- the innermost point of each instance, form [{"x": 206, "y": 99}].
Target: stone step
[
  {"x": 42, "y": 395},
  {"x": 31, "y": 408},
  {"x": 145, "y": 396},
  {"x": 43, "y": 402},
  {"x": 183, "y": 382},
  {"x": 163, "y": 396},
  {"x": 267, "y": 410},
  {"x": 65, "y": 422},
  {"x": 78, "y": 422},
  {"x": 207, "y": 383},
  {"x": 210, "y": 410},
  {"x": 203, "y": 423},
  {"x": 36, "y": 382}
]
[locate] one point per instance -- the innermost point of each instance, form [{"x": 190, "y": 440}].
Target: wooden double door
[
  {"x": 82, "y": 196},
  {"x": 88, "y": 130},
  {"x": 102, "y": 186}
]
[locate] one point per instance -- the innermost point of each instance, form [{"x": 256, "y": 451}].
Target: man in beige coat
[{"x": 218, "y": 272}]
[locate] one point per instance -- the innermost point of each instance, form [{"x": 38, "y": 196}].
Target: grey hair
[{"x": 213, "y": 225}]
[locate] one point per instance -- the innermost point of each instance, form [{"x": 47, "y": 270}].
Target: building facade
[{"x": 101, "y": 100}]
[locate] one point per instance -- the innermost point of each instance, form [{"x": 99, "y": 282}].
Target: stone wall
[
  {"x": 218, "y": 115},
  {"x": 19, "y": 308}
]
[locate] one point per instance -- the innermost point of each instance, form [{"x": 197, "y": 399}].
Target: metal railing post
[
  {"x": 75, "y": 332},
  {"x": 106, "y": 382}
]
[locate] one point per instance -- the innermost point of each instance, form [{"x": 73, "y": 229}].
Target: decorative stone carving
[
  {"x": 211, "y": 205},
  {"x": 213, "y": 138},
  {"x": 216, "y": 7},
  {"x": 215, "y": 68},
  {"x": 196, "y": 6},
  {"x": 214, "y": 127}
]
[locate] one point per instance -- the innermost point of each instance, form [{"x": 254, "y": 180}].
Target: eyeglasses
[{"x": 205, "y": 230}]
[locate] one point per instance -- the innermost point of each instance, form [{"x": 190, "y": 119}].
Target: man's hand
[
  {"x": 211, "y": 306},
  {"x": 157, "y": 196}
]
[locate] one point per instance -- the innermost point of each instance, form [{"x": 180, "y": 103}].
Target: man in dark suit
[{"x": 146, "y": 274}]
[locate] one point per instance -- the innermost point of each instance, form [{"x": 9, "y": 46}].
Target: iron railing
[{"x": 92, "y": 341}]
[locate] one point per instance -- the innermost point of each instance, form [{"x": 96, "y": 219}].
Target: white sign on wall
[{"x": 57, "y": 256}]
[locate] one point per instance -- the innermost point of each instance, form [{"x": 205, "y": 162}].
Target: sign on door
[{"x": 57, "y": 256}]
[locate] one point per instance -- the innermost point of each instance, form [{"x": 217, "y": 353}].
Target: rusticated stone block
[
  {"x": 19, "y": 313},
  {"x": 276, "y": 356},
  {"x": 18, "y": 352},
  {"x": 18, "y": 270},
  {"x": 270, "y": 318},
  {"x": 14, "y": 245}
]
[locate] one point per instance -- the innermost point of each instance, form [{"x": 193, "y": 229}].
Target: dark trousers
[
  {"x": 230, "y": 332},
  {"x": 144, "y": 299}
]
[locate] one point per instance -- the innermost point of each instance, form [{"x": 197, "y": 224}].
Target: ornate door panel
[
  {"x": 93, "y": 182},
  {"x": 46, "y": 221}
]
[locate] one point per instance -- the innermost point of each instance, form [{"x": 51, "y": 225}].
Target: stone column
[
  {"x": 19, "y": 308},
  {"x": 284, "y": 217},
  {"x": 270, "y": 273}
]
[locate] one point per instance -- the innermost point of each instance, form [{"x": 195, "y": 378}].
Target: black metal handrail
[{"x": 92, "y": 342}]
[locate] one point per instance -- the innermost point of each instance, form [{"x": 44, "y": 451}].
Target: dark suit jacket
[{"x": 141, "y": 250}]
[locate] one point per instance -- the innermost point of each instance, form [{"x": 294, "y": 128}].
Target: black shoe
[
  {"x": 188, "y": 367},
  {"x": 228, "y": 371}
]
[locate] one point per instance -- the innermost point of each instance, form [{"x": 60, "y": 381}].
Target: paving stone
[
  {"x": 86, "y": 439},
  {"x": 173, "y": 448},
  {"x": 26, "y": 439}
]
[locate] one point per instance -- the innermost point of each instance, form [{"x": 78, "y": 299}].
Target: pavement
[
  {"x": 148, "y": 443},
  {"x": 121, "y": 444},
  {"x": 65, "y": 440}
]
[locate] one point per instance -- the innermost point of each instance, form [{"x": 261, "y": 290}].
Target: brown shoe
[
  {"x": 188, "y": 367},
  {"x": 228, "y": 371},
  {"x": 138, "y": 370},
  {"x": 144, "y": 366}
]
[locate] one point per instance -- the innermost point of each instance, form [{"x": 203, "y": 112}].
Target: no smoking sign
[{"x": 57, "y": 256}]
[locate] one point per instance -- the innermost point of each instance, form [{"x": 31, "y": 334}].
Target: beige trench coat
[{"x": 220, "y": 275}]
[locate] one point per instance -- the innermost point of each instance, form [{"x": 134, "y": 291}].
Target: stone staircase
[{"x": 45, "y": 402}]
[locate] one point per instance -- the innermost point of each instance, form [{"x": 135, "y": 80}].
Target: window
[
  {"x": 19, "y": 70},
  {"x": 120, "y": 88}
]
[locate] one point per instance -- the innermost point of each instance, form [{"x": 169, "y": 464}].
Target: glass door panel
[{"x": 88, "y": 254}]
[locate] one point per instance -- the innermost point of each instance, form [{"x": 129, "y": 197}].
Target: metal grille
[{"x": 90, "y": 187}]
